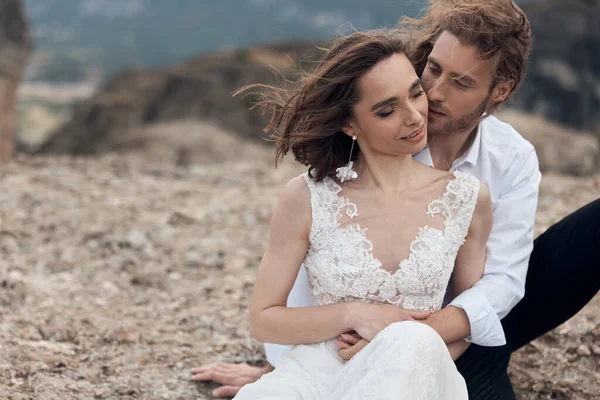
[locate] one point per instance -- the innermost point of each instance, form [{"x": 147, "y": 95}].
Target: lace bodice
[{"x": 340, "y": 262}]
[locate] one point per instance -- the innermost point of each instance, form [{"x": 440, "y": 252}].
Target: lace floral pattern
[{"x": 340, "y": 262}]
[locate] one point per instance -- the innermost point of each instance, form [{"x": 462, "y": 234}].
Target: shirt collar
[
  {"x": 471, "y": 156},
  {"x": 424, "y": 156}
]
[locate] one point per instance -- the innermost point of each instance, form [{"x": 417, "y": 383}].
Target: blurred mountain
[
  {"x": 79, "y": 38},
  {"x": 200, "y": 89},
  {"x": 123, "y": 115},
  {"x": 563, "y": 81}
]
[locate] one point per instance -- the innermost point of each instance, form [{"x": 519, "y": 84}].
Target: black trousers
[{"x": 563, "y": 276}]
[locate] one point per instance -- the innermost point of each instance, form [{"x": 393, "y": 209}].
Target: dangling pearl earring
[{"x": 347, "y": 173}]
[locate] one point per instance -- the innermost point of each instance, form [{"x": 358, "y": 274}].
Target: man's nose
[{"x": 435, "y": 94}]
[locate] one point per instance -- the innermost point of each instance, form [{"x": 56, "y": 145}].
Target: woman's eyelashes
[
  {"x": 386, "y": 113},
  {"x": 420, "y": 92}
]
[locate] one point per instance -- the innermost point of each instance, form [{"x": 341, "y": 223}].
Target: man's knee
[
  {"x": 484, "y": 370},
  {"x": 589, "y": 214}
]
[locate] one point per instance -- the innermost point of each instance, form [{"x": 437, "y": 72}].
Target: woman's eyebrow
[{"x": 385, "y": 102}]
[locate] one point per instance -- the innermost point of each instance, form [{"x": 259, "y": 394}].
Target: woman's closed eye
[
  {"x": 418, "y": 93},
  {"x": 386, "y": 113}
]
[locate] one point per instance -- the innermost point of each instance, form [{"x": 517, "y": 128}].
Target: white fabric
[
  {"x": 340, "y": 262},
  {"x": 299, "y": 297},
  {"x": 405, "y": 361},
  {"x": 507, "y": 163}
]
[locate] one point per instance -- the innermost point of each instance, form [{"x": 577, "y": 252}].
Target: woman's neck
[{"x": 390, "y": 174}]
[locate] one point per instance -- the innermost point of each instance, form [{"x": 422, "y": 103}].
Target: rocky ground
[{"x": 118, "y": 274}]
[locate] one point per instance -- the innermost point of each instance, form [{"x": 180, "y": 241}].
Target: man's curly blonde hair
[{"x": 498, "y": 28}]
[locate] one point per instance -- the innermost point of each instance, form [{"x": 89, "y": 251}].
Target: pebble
[
  {"x": 193, "y": 259},
  {"x": 196, "y": 262},
  {"x": 584, "y": 350},
  {"x": 19, "y": 396},
  {"x": 137, "y": 239}
]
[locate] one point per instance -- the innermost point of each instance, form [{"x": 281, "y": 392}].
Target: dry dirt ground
[{"x": 118, "y": 274}]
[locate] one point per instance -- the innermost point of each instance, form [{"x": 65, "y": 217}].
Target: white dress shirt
[{"x": 507, "y": 163}]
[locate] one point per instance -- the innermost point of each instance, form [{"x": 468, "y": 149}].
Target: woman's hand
[
  {"x": 370, "y": 319},
  {"x": 350, "y": 344}
]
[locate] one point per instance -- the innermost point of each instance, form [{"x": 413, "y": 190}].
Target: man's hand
[
  {"x": 451, "y": 323},
  {"x": 457, "y": 348},
  {"x": 231, "y": 376},
  {"x": 350, "y": 344}
]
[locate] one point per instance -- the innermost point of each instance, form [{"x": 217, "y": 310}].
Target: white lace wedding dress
[{"x": 407, "y": 360}]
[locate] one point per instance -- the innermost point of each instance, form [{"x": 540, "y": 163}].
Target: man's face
[{"x": 457, "y": 83}]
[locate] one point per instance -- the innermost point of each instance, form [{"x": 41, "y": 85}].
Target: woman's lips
[{"x": 415, "y": 136}]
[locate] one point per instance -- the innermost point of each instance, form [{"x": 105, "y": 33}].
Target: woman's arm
[
  {"x": 468, "y": 267},
  {"x": 452, "y": 323},
  {"x": 270, "y": 320}
]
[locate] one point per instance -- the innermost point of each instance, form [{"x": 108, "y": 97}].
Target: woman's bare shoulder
[
  {"x": 294, "y": 207},
  {"x": 296, "y": 191}
]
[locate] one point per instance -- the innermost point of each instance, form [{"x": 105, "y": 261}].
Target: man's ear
[{"x": 502, "y": 91}]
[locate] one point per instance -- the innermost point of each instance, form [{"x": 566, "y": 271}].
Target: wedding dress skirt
[{"x": 406, "y": 361}]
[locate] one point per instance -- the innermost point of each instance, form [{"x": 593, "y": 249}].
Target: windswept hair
[
  {"x": 307, "y": 116},
  {"x": 498, "y": 28}
]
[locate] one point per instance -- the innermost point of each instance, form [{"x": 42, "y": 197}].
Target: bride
[{"x": 382, "y": 236}]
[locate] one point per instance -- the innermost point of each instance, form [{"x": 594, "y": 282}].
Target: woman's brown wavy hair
[{"x": 308, "y": 115}]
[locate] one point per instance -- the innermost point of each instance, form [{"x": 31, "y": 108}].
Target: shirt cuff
[{"x": 486, "y": 328}]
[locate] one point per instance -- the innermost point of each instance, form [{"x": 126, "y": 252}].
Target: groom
[{"x": 472, "y": 55}]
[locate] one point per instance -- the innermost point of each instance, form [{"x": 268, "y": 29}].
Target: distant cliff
[
  {"x": 199, "y": 89},
  {"x": 563, "y": 84}
]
